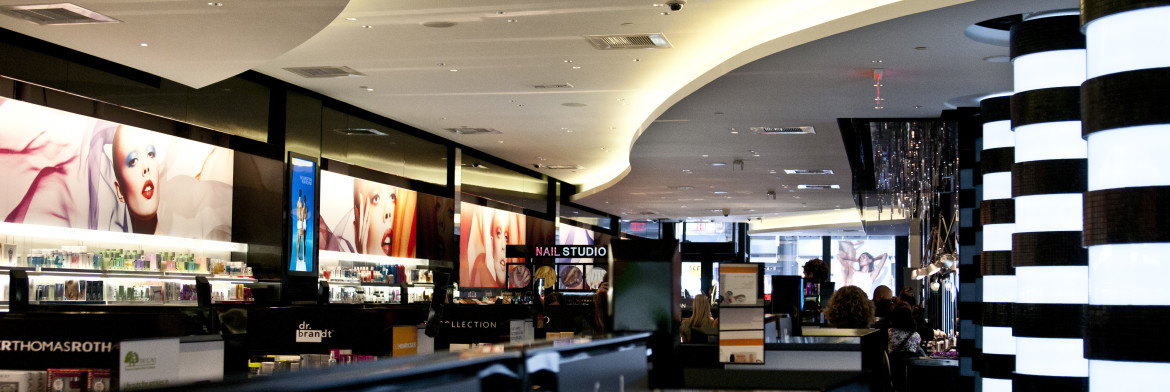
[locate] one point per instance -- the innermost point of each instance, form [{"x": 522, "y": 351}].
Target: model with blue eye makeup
[{"x": 136, "y": 177}]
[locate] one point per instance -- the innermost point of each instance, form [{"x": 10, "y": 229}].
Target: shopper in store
[
  {"x": 904, "y": 343},
  {"x": 701, "y": 324},
  {"x": 816, "y": 271},
  {"x": 850, "y": 308}
]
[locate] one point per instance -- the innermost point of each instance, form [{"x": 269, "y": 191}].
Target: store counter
[
  {"x": 578, "y": 364},
  {"x": 820, "y": 359}
]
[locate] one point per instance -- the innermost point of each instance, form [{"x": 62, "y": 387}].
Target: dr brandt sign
[{"x": 562, "y": 251}]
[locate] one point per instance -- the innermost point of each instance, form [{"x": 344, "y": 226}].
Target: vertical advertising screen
[
  {"x": 303, "y": 209},
  {"x": 67, "y": 170},
  {"x": 484, "y": 235},
  {"x": 371, "y": 218}
]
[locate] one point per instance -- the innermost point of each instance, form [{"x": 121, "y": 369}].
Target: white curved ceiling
[{"x": 654, "y": 109}]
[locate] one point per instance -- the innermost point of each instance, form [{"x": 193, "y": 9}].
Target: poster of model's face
[
  {"x": 68, "y": 170},
  {"x": 484, "y": 234},
  {"x": 573, "y": 235},
  {"x": 865, "y": 263},
  {"x": 362, "y": 216},
  {"x": 302, "y": 186}
]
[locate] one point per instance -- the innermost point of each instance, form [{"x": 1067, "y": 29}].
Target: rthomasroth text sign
[{"x": 557, "y": 251}]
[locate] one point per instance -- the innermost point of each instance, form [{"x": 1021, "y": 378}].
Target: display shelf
[
  {"x": 328, "y": 255},
  {"x": 162, "y": 275}
]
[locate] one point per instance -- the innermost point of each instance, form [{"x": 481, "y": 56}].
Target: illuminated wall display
[
  {"x": 366, "y": 217},
  {"x": 69, "y": 170},
  {"x": 302, "y": 183},
  {"x": 485, "y": 234}
]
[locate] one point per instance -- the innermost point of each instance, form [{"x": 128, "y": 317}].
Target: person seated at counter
[
  {"x": 701, "y": 324},
  {"x": 904, "y": 343},
  {"x": 883, "y": 302},
  {"x": 816, "y": 271},
  {"x": 850, "y": 307}
]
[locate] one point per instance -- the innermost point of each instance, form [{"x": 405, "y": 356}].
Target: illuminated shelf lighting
[{"x": 72, "y": 234}]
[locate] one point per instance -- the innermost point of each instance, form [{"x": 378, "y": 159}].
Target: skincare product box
[{"x": 23, "y": 380}]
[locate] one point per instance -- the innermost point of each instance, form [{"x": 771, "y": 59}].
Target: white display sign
[{"x": 148, "y": 364}]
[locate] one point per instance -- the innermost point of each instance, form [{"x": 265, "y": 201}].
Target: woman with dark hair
[
  {"x": 903, "y": 335},
  {"x": 850, "y": 307},
  {"x": 904, "y": 343}
]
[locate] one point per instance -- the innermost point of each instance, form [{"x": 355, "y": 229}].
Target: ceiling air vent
[
  {"x": 472, "y": 131},
  {"x": 324, "y": 72},
  {"x": 552, "y": 86},
  {"x": 559, "y": 167},
  {"x": 680, "y": 187},
  {"x": 57, "y": 14},
  {"x": 783, "y": 130},
  {"x": 805, "y": 171},
  {"x": 628, "y": 41},
  {"x": 802, "y": 186},
  {"x": 360, "y": 132}
]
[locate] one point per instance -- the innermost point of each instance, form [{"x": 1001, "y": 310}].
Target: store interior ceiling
[{"x": 655, "y": 109}]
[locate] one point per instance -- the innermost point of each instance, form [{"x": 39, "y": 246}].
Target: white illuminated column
[
  {"x": 1128, "y": 133},
  {"x": 1049, "y": 177},
  {"x": 998, "y": 279}
]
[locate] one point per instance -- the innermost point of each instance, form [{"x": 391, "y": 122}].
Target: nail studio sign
[{"x": 565, "y": 251}]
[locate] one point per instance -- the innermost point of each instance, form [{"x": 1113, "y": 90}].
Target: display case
[
  {"x": 90, "y": 267},
  {"x": 356, "y": 278}
]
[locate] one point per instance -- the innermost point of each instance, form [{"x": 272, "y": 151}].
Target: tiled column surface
[
  {"x": 1125, "y": 106},
  {"x": 1048, "y": 180},
  {"x": 997, "y": 214}
]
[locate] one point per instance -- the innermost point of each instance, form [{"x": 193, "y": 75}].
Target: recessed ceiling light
[
  {"x": 718, "y": 163},
  {"x": 143, "y": 44},
  {"x": 720, "y": 192},
  {"x": 734, "y": 132},
  {"x": 917, "y": 106},
  {"x": 367, "y": 26},
  {"x": 350, "y": 18},
  {"x": 875, "y": 61},
  {"x": 500, "y": 141},
  {"x": 637, "y": 60},
  {"x": 453, "y": 70},
  {"x": 215, "y": 4},
  {"x": 569, "y": 130},
  {"x": 576, "y": 67},
  {"x": 822, "y": 186},
  {"x": 511, "y": 20},
  {"x": 568, "y": 61},
  {"x": 705, "y": 155}
]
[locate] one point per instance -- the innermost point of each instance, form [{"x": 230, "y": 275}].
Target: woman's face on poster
[
  {"x": 864, "y": 262},
  {"x": 379, "y": 201},
  {"x": 500, "y": 238},
  {"x": 136, "y": 168}
]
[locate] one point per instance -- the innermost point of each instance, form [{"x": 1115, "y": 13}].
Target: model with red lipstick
[
  {"x": 136, "y": 169},
  {"x": 374, "y": 206}
]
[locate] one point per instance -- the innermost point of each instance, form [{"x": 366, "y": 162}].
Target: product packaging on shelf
[{"x": 24, "y": 380}]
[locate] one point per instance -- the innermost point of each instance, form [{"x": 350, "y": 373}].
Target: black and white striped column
[
  {"x": 1125, "y": 105},
  {"x": 997, "y": 214},
  {"x": 1048, "y": 180}
]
